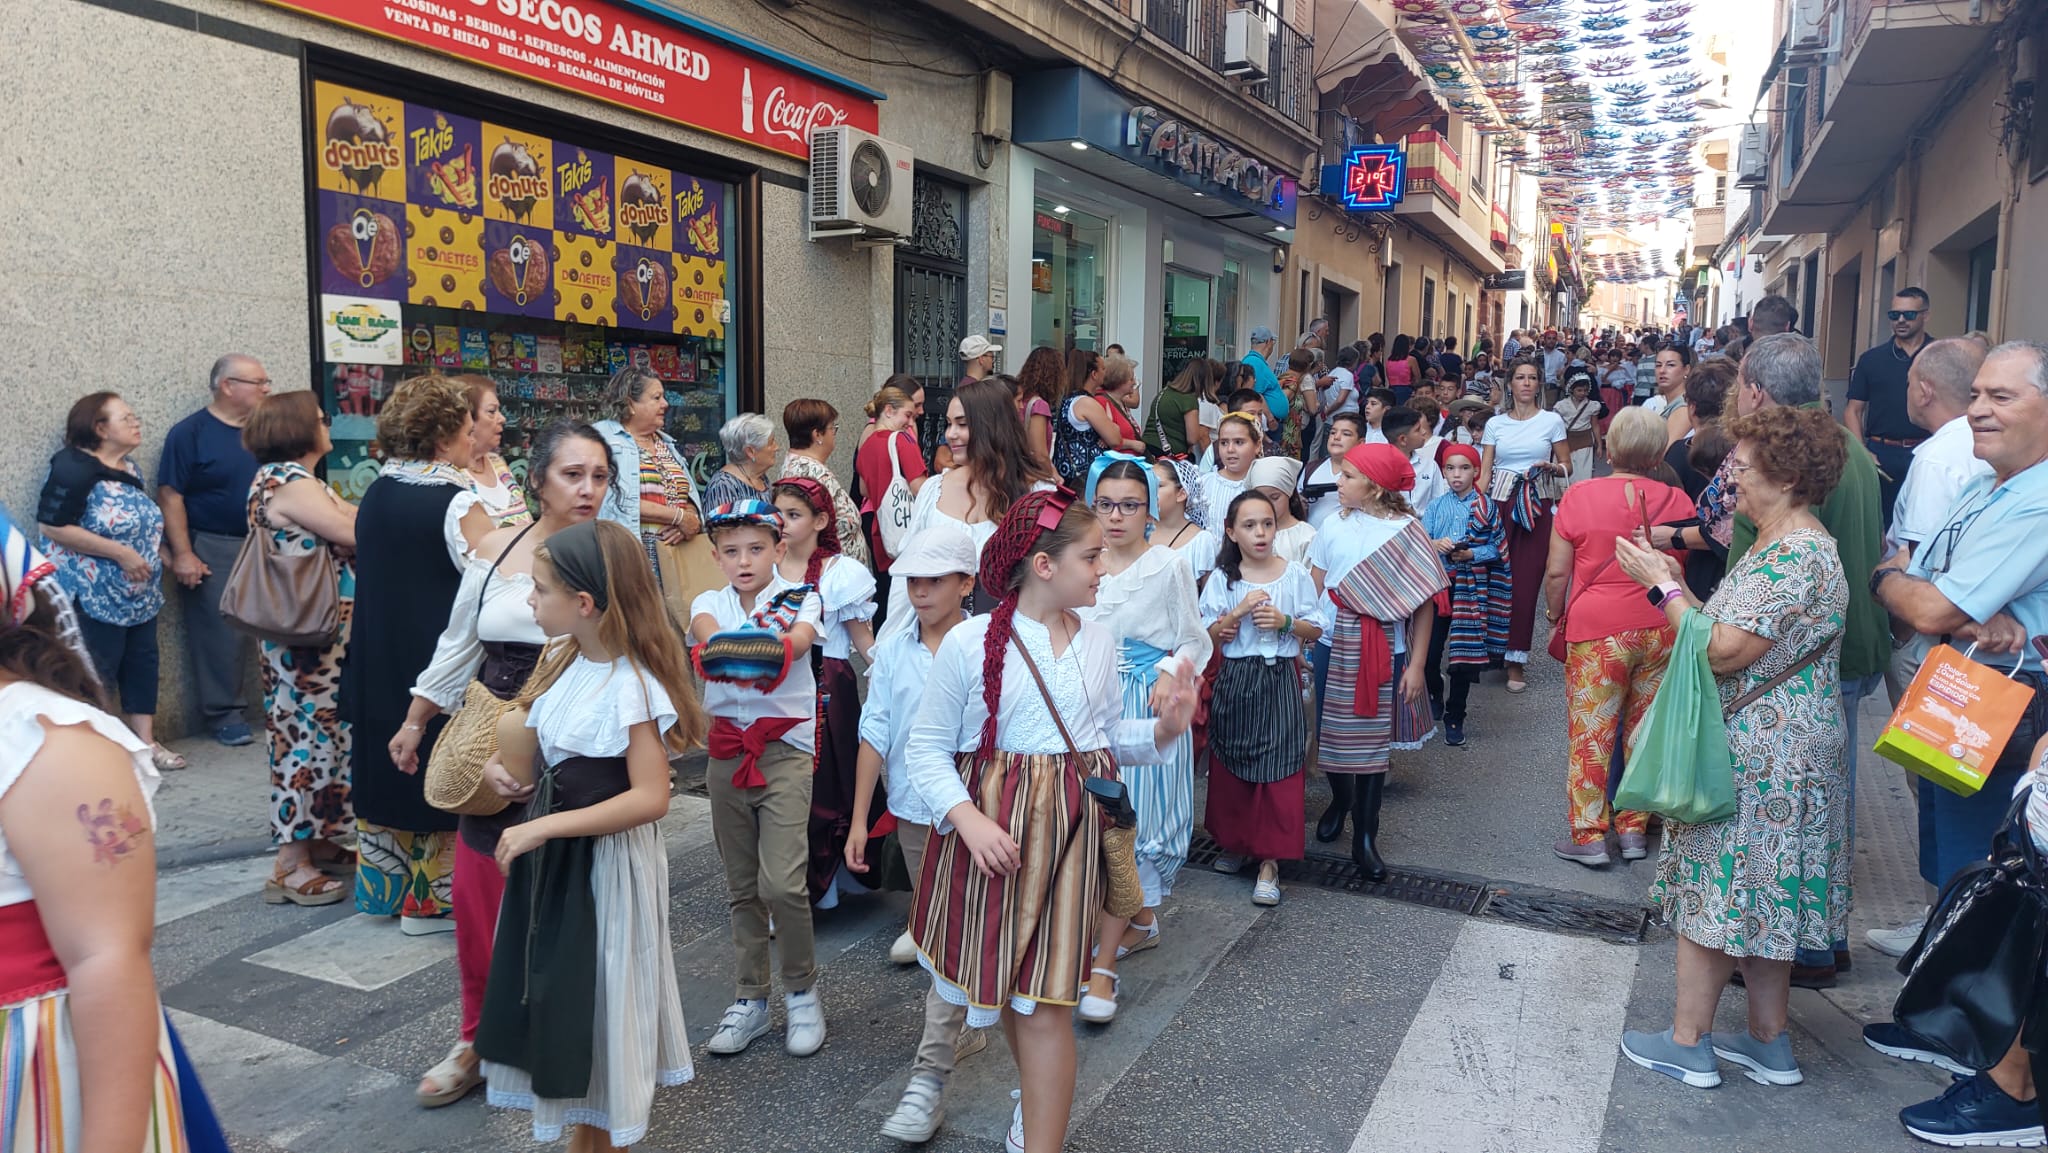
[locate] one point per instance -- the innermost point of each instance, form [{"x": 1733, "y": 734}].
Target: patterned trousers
[{"x": 1610, "y": 681}]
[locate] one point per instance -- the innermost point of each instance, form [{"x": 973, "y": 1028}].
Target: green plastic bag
[{"x": 1680, "y": 766}]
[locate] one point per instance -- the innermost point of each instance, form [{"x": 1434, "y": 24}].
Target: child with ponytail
[
  {"x": 1022, "y": 707},
  {"x": 585, "y": 918}
]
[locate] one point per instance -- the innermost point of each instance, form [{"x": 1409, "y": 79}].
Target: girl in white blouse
[
  {"x": 1147, "y": 599},
  {"x": 1012, "y": 887}
]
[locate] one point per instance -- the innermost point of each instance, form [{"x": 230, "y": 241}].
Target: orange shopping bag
[{"x": 1954, "y": 720}]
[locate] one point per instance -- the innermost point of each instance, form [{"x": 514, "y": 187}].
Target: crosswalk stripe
[
  {"x": 183, "y": 892},
  {"x": 1512, "y": 1049}
]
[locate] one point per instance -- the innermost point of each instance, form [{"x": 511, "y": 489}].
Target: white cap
[
  {"x": 972, "y": 348},
  {"x": 1280, "y": 472},
  {"x": 940, "y": 550}
]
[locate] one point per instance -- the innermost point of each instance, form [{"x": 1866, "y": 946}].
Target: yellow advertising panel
[
  {"x": 585, "y": 285},
  {"x": 361, "y": 143},
  {"x": 644, "y": 215},
  {"x": 518, "y": 181},
  {"x": 700, "y": 296},
  {"x": 444, "y": 262}
]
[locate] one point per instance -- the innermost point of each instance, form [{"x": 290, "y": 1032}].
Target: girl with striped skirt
[
  {"x": 1260, "y": 607},
  {"x": 1147, "y": 599},
  {"x": 1466, "y": 530},
  {"x": 1020, "y": 709},
  {"x": 1377, "y": 565}
]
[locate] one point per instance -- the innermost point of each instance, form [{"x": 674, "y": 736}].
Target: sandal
[
  {"x": 451, "y": 1080},
  {"x": 319, "y": 889},
  {"x": 1150, "y": 940},
  {"x": 1101, "y": 1010},
  {"x": 167, "y": 761},
  {"x": 336, "y": 863}
]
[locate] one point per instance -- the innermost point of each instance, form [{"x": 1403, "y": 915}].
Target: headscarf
[
  {"x": 1383, "y": 465},
  {"x": 26, "y": 577},
  {"x": 1447, "y": 450},
  {"x": 1029, "y": 518},
  {"x": 1188, "y": 475},
  {"x": 1281, "y": 472},
  {"x": 578, "y": 557},
  {"x": 1102, "y": 464},
  {"x": 828, "y": 536}
]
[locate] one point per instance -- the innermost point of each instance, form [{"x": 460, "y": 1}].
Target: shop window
[
  {"x": 1223, "y": 342},
  {"x": 1069, "y": 254},
  {"x": 452, "y": 245},
  {"x": 1428, "y": 306},
  {"x": 1983, "y": 262},
  {"x": 1186, "y": 331}
]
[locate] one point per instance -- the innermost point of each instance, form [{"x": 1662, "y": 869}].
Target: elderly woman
[
  {"x": 1091, "y": 420},
  {"x": 414, "y": 532},
  {"x": 813, "y": 428},
  {"x": 655, "y": 496},
  {"x": 489, "y": 475},
  {"x": 310, "y": 805},
  {"x": 106, "y": 537},
  {"x": 749, "y": 443},
  {"x": 1616, "y": 643},
  {"x": 1748, "y": 891}
]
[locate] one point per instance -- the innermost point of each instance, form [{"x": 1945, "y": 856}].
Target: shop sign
[
  {"x": 619, "y": 55},
  {"x": 1513, "y": 280},
  {"x": 1372, "y": 178},
  {"x": 361, "y": 330},
  {"x": 1170, "y": 142}
]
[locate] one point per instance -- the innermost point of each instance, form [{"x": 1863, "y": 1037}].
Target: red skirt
[{"x": 1260, "y": 821}]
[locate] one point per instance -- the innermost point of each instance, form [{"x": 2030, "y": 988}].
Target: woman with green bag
[{"x": 1748, "y": 890}]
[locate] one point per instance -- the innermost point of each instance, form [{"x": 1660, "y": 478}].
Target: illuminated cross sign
[{"x": 1371, "y": 179}]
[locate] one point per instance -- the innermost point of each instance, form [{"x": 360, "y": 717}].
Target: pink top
[
  {"x": 1603, "y": 599},
  {"x": 1400, "y": 372}
]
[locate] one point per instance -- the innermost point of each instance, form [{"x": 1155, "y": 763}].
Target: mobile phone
[{"x": 2041, "y": 648}]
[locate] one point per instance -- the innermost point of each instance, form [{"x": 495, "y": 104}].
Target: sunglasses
[{"x": 1903, "y": 314}]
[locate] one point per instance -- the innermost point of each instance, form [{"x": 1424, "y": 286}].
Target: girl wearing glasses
[{"x": 1147, "y": 600}]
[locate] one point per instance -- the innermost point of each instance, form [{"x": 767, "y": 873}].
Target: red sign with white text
[{"x": 621, "y": 56}]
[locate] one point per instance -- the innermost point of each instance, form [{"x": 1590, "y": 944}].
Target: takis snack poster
[
  {"x": 443, "y": 159},
  {"x": 586, "y": 192}
]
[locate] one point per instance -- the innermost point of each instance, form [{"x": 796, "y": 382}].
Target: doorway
[
  {"x": 931, "y": 298},
  {"x": 1188, "y": 309}
]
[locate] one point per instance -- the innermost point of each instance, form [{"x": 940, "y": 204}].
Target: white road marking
[
  {"x": 362, "y": 953},
  {"x": 183, "y": 892},
  {"x": 280, "y": 1092},
  {"x": 1512, "y": 1051}
]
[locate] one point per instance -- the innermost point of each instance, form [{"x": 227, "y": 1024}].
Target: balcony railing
[
  {"x": 1433, "y": 167},
  {"x": 1196, "y": 27}
]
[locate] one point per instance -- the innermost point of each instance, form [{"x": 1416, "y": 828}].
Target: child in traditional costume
[{"x": 1465, "y": 527}]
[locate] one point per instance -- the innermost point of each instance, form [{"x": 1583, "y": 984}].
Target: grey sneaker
[
  {"x": 805, "y": 1024},
  {"x": 1228, "y": 863},
  {"x": 1591, "y": 856},
  {"x": 1634, "y": 846},
  {"x": 1895, "y": 942},
  {"x": 744, "y": 1020},
  {"x": 971, "y": 1041},
  {"x": 1764, "y": 1062},
  {"x": 918, "y": 1114},
  {"x": 1657, "y": 1052}
]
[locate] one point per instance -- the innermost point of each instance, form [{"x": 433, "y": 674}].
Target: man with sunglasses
[{"x": 1876, "y": 412}]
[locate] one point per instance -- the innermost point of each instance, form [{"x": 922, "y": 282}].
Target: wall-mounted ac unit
[
  {"x": 860, "y": 184},
  {"x": 1814, "y": 29},
  {"x": 1753, "y": 162},
  {"x": 1246, "y": 40}
]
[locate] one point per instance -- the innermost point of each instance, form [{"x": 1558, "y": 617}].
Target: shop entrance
[
  {"x": 1189, "y": 299},
  {"x": 931, "y": 297}
]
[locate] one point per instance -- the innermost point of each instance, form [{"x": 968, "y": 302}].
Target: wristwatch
[
  {"x": 1664, "y": 592},
  {"x": 1877, "y": 579}
]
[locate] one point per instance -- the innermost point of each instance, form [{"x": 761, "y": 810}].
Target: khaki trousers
[
  {"x": 763, "y": 836},
  {"x": 943, "y": 1020}
]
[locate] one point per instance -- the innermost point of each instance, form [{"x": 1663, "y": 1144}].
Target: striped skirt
[
  {"x": 641, "y": 1041},
  {"x": 995, "y": 943},
  {"x": 1259, "y": 733},
  {"x": 40, "y": 1108},
  {"x": 1163, "y": 795},
  {"x": 1353, "y": 744}
]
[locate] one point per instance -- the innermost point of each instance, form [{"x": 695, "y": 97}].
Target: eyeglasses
[
  {"x": 260, "y": 381},
  {"x": 1122, "y": 507},
  {"x": 1903, "y": 314},
  {"x": 1738, "y": 467}
]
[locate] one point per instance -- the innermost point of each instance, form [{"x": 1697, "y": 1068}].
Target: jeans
[
  {"x": 217, "y": 649},
  {"x": 125, "y": 657},
  {"x": 1853, "y": 693}
]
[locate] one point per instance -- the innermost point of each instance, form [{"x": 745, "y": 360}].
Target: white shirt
[
  {"x": 1154, "y": 602},
  {"x": 1659, "y": 404},
  {"x": 1344, "y": 383},
  {"x": 588, "y": 712},
  {"x": 1553, "y": 365},
  {"x": 1429, "y": 479},
  {"x": 1292, "y": 543},
  {"x": 1201, "y": 552},
  {"x": 506, "y": 618},
  {"x": 1518, "y": 444},
  {"x": 846, "y": 592},
  {"x": 1293, "y": 593},
  {"x": 23, "y": 707},
  {"x": 1345, "y": 540},
  {"x": 1208, "y": 415},
  {"x": 1373, "y": 435},
  {"x": 1083, "y": 680},
  {"x": 1323, "y": 507},
  {"x": 796, "y": 696},
  {"x": 924, "y": 513},
  {"x": 1218, "y": 491},
  {"x": 895, "y": 686},
  {"x": 1942, "y": 465}
]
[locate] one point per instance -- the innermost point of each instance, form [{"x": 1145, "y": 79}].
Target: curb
[{"x": 186, "y": 856}]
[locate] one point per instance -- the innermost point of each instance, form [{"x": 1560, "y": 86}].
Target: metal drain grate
[{"x": 1567, "y": 913}]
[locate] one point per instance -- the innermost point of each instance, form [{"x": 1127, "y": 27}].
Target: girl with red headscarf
[
  {"x": 1021, "y": 708},
  {"x": 846, "y": 590},
  {"x": 1378, "y": 567}
]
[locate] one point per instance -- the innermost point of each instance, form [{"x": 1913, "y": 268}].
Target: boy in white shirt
[
  {"x": 763, "y": 741},
  {"x": 1408, "y": 431},
  {"x": 938, "y": 567}
]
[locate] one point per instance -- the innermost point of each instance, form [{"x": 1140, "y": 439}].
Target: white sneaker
[
  {"x": 744, "y": 1020},
  {"x": 1895, "y": 942},
  {"x": 806, "y": 1024},
  {"x": 904, "y": 950},
  {"x": 1014, "y": 1143},
  {"x": 918, "y": 1114}
]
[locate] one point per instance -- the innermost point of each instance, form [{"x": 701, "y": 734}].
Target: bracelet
[
  {"x": 1672, "y": 589},
  {"x": 412, "y": 728},
  {"x": 1286, "y": 623}
]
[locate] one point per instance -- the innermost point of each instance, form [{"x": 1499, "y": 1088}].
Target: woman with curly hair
[
  {"x": 1748, "y": 891},
  {"x": 1041, "y": 386},
  {"x": 415, "y": 529}
]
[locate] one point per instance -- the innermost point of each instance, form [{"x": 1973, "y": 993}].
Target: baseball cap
[
  {"x": 941, "y": 550},
  {"x": 972, "y": 347},
  {"x": 1262, "y": 334}
]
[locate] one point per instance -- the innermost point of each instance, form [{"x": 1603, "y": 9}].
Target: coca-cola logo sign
[{"x": 781, "y": 116}]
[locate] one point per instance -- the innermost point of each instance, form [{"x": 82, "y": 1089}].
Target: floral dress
[
  {"x": 1775, "y": 876},
  {"x": 309, "y": 742}
]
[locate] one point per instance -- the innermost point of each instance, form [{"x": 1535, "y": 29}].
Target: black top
[
  {"x": 1879, "y": 380},
  {"x": 405, "y": 589},
  {"x": 74, "y": 473}
]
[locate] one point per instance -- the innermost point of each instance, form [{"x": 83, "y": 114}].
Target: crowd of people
[{"x": 1064, "y": 614}]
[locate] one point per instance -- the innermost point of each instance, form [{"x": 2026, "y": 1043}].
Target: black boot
[
  {"x": 1332, "y": 825},
  {"x": 1365, "y": 826}
]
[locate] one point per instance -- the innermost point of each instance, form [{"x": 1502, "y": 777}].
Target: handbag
[
  {"x": 893, "y": 509},
  {"x": 1972, "y": 977},
  {"x": 1955, "y": 720},
  {"x": 455, "y": 769},
  {"x": 292, "y": 599},
  {"x": 687, "y": 570},
  {"x": 1123, "y": 893}
]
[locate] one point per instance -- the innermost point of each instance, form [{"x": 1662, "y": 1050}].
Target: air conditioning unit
[
  {"x": 860, "y": 184},
  {"x": 1753, "y": 162},
  {"x": 1812, "y": 35},
  {"x": 1246, "y": 40}
]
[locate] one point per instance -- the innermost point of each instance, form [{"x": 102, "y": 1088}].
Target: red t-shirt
[
  {"x": 1604, "y": 600},
  {"x": 1122, "y": 419},
  {"x": 871, "y": 464}
]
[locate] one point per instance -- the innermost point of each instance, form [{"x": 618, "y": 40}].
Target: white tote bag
[{"x": 892, "y": 512}]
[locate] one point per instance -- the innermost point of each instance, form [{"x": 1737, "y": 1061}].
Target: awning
[{"x": 1363, "y": 68}]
